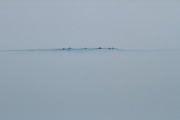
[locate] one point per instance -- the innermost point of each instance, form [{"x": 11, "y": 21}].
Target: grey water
[{"x": 90, "y": 85}]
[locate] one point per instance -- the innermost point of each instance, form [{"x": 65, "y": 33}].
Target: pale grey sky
[{"x": 122, "y": 24}]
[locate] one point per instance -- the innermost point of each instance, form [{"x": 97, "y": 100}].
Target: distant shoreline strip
[
  {"x": 62, "y": 49},
  {"x": 85, "y": 49}
]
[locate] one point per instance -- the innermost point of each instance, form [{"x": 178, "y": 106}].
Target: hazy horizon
[
  {"x": 138, "y": 81},
  {"x": 121, "y": 24}
]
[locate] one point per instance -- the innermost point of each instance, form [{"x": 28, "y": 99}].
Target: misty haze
[{"x": 89, "y": 60}]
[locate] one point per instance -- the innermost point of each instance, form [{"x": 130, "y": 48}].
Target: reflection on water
[{"x": 93, "y": 85}]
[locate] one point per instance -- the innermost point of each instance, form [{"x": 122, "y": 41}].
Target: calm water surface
[{"x": 90, "y": 85}]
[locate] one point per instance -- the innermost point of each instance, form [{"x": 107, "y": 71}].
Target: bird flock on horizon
[{"x": 88, "y": 48}]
